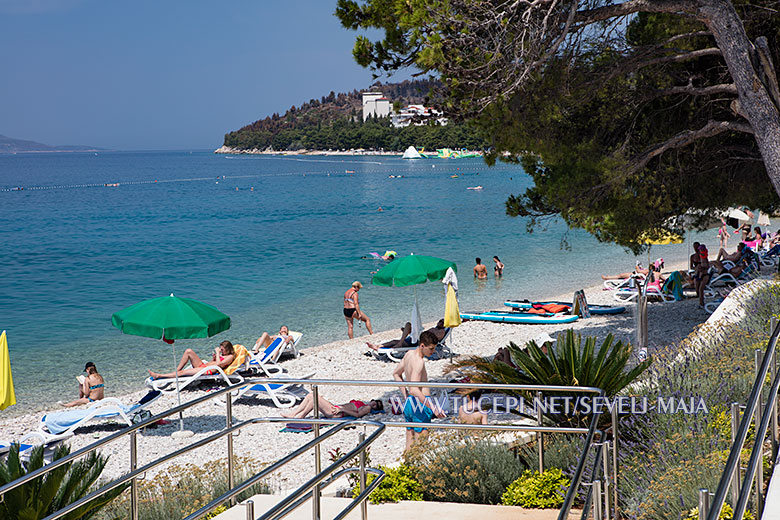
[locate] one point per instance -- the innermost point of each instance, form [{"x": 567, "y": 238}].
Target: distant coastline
[
  {"x": 257, "y": 151},
  {"x": 11, "y": 146}
]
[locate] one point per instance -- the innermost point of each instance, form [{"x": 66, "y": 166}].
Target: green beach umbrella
[
  {"x": 170, "y": 318},
  {"x": 412, "y": 270}
]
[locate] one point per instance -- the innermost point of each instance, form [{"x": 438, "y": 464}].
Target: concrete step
[{"x": 331, "y": 506}]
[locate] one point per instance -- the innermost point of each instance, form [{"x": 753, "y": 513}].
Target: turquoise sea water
[{"x": 268, "y": 240}]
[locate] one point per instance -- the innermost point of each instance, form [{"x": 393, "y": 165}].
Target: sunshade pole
[{"x": 178, "y": 391}]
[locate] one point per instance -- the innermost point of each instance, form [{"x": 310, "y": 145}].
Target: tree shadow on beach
[{"x": 194, "y": 423}]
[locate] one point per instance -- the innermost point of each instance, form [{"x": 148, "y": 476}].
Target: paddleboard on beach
[
  {"x": 519, "y": 317},
  {"x": 594, "y": 309}
]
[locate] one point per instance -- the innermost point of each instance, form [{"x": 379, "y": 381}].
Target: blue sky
[{"x": 170, "y": 74}]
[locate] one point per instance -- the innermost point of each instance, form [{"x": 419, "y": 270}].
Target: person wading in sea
[{"x": 480, "y": 271}]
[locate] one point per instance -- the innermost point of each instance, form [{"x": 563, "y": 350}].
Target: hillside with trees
[{"x": 335, "y": 122}]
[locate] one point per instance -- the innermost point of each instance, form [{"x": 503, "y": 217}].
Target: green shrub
[
  {"x": 353, "y": 478},
  {"x": 57, "y": 489},
  {"x": 725, "y": 514},
  {"x": 182, "y": 490},
  {"x": 398, "y": 484},
  {"x": 537, "y": 490},
  {"x": 453, "y": 468}
]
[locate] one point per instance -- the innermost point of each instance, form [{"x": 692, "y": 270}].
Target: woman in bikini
[
  {"x": 354, "y": 408},
  {"x": 222, "y": 358},
  {"x": 352, "y": 309},
  {"x": 498, "y": 269},
  {"x": 91, "y": 388}
]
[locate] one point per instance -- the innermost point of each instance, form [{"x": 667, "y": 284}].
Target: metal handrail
[
  {"x": 135, "y": 472},
  {"x": 732, "y": 463}
]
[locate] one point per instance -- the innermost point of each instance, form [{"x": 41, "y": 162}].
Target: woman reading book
[{"x": 91, "y": 386}]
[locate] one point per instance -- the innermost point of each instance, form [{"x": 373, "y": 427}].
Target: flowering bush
[{"x": 537, "y": 490}]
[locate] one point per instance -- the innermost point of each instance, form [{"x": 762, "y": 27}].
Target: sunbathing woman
[
  {"x": 265, "y": 339},
  {"x": 91, "y": 387},
  {"x": 354, "y": 408},
  {"x": 439, "y": 330},
  {"x": 621, "y": 276},
  {"x": 222, "y": 358}
]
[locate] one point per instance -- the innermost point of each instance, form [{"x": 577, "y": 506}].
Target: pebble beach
[{"x": 263, "y": 443}]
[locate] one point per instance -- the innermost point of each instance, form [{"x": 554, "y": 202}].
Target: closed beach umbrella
[
  {"x": 451, "y": 310},
  {"x": 7, "y": 395},
  {"x": 763, "y": 219},
  {"x": 412, "y": 270},
  {"x": 170, "y": 318}
]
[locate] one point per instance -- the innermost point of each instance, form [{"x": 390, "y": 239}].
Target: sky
[{"x": 171, "y": 74}]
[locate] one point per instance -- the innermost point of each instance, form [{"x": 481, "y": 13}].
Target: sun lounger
[
  {"x": 397, "y": 353},
  {"x": 282, "y": 395},
  {"x": 292, "y": 348},
  {"x": 33, "y": 440},
  {"x": 208, "y": 373},
  {"x": 627, "y": 294},
  {"x": 264, "y": 363},
  {"x": 621, "y": 283},
  {"x": 57, "y": 424}
]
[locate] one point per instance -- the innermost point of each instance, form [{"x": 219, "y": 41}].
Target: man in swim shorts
[
  {"x": 418, "y": 406},
  {"x": 480, "y": 271}
]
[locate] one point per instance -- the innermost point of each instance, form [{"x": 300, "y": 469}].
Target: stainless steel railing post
[
  {"x": 315, "y": 493},
  {"x": 134, "y": 482},
  {"x": 363, "y": 504},
  {"x": 615, "y": 458},
  {"x": 228, "y": 424},
  {"x": 605, "y": 462},
  {"x": 539, "y": 436},
  {"x": 759, "y": 413},
  {"x": 773, "y": 367},
  {"x": 704, "y": 503},
  {"x": 597, "y": 513},
  {"x": 250, "y": 510},
  {"x": 736, "y": 476}
]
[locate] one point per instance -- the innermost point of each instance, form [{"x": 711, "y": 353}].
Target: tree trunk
[{"x": 755, "y": 102}]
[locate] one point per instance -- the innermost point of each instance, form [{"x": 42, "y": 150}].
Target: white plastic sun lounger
[
  {"x": 397, "y": 353},
  {"x": 282, "y": 395},
  {"x": 208, "y": 373},
  {"x": 54, "y": 425}
]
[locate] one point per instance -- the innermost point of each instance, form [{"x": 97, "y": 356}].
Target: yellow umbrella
[
  {"x": 451, "y": 311},
  {"x": 7, "y": 395}
]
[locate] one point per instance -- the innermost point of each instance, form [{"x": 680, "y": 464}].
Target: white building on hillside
[{"x": 375, "y": 104}]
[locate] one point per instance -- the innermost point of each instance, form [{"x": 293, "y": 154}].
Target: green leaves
[
  {"x": 56, "y": 489},
  {"x": 570, "y": 362}
]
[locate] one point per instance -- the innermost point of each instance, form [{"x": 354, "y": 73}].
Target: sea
[{"x": 268, "y": 240}]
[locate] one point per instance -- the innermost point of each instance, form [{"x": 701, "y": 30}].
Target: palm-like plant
[
  {"x": 571, "y": 362},
  {"x": 55, "y": 490}
]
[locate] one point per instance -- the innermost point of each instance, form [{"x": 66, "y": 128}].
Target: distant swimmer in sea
[
  {"x": 389, "y": 255},
  {"x": 480, "y": 271},
  {"x": 498, "y": 269},
  {"x": 352, "y": 309},
  {"x": 379, "y": 208},
  {"x": 91, "y": 386}
]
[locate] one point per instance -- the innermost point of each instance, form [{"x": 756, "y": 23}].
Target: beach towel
[
  {"x": 240, "y": 354},
  {"x": 416, "y": 322},
  {"x": 673, "y": 286},
  {"x": 58, "y": 422}
]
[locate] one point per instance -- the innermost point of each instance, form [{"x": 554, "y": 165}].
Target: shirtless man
[
  {"x": 418, "y": 406},
  {"x": 480, "y": 271},
  {"x": 724, "y": 255}
]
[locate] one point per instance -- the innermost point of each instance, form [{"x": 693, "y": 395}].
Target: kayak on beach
[
  {"x": 594, "y": 309},
  {"x": 519, "y": 317}
]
